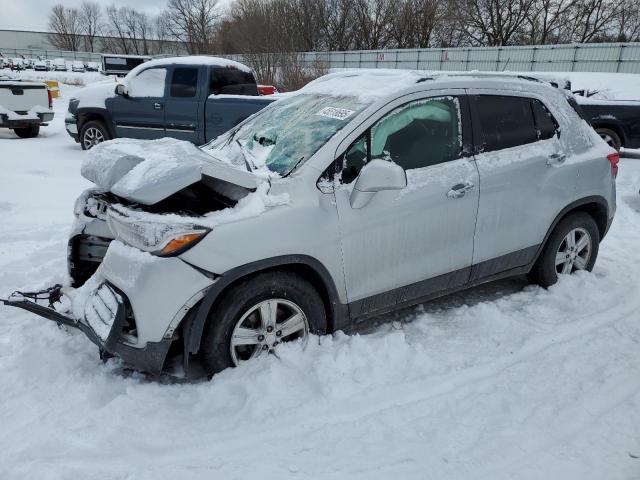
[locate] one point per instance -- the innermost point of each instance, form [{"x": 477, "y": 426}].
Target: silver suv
[{"x": 363, "y": 193}]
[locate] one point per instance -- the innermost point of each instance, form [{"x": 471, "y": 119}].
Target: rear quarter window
[{"x": 231, "y": 81}]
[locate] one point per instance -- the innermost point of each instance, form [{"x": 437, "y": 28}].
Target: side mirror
[
  {"x": 121, "y": 90},
  {"x": 375, "y": 176}
]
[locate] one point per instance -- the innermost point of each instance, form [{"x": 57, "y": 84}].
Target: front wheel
[
  {"x": 257, "y": 315},
  {"x": 572, "y": 246},
  {"x": 28, "y": 132},
  {"x": 93, "y": 133}
]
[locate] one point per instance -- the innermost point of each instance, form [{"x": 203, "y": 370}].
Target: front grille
[{"x": 101, "y": 309}]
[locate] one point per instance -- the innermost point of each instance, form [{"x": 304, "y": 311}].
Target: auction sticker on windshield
[{"x": 335, "y": 112}]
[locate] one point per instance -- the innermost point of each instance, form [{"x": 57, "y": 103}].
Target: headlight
[{"x": 160, "y": 238}]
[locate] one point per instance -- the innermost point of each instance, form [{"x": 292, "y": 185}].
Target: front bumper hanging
[{"x": 103, "y": 323}]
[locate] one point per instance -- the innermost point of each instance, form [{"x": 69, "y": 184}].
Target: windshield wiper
[
  {"x": 248, "y": 164},
  {"x": 294, "y": 167}
]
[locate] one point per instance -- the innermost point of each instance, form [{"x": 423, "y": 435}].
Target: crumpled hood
[{"x": 147, "y": 172}]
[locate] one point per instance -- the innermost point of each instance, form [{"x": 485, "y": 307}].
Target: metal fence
[
  {"x": 591, "y": 57},
  {"x": 50, "y": 54},
  {"x": 600, "y": 57}
]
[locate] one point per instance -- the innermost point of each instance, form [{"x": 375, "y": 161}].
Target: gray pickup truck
[{"x": 189, "y": 98}]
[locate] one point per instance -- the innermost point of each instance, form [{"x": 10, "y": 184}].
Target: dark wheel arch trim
[
  {"x": 85, "y": 115},
  {"x": 194, "y": 326},
  {"x": 578, "y": 205}
]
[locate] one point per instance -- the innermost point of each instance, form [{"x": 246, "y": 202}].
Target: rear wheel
[
  {"x": 93, "y": 133},
  {"x": 28, "y": 132},
  {"x": 572, "y": 246},
  {"x": 257, "y": 315},
  {"x": 611, "y": 137}
]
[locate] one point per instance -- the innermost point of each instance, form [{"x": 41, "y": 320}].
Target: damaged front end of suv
[{"x": 146, "y": 209}]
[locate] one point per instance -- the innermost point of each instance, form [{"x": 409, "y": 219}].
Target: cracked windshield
[{"x": 286, "y": 134}]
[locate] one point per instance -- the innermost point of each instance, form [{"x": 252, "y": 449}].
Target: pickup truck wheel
[
  {"x": 93, "y": 133},
  {"x": 28, "y": 132},
  {"x": 572, "y": 246},
  {"x": 257, "y": 315},
  {"x": 611, "y": 137}
]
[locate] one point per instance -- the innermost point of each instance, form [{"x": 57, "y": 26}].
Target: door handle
[
  {"x": 157, "y": 106},
  {"x": 460, "y": 189},
  {"x": 556, "y": 159}
]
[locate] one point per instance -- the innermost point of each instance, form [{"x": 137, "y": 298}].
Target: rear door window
[
  {"x": 184, "y": 82},
  {"x": 505, "y": 121},
  {"x": 231, "y": 81}
]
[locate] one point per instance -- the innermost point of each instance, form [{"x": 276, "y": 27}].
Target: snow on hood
[
  {"x": 148, "y": 171},
  {"x": 94, "y": 95}
]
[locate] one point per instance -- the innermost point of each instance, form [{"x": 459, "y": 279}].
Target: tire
[
  {"x": 546, "y": 269},
  {"x": 216, "y": 348},
  {"x": 92, "y": 133},
  {"x": 611, "y": 137},
  {"x": 28, "y": 132}
]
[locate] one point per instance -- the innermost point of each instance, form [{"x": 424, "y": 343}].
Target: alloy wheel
[
  {"x": 574, "y": 251},
  {"x": 92, "y": 137},
  {"x": 264, "y": 326}
]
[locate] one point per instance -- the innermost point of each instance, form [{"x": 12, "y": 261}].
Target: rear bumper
[{"x": 28, "y": 121}]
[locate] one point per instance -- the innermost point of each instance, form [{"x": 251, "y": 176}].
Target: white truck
[{"x": 24, "y": 106}]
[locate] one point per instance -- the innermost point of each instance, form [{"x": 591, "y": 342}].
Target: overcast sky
[{"x": 32, "y": 14}]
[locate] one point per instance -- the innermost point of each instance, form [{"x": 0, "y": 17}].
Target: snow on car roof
[
  {"x": 366, "y": 84},
  {"x": 191, "y": 60},
  {"x": 375, "y": 84}
]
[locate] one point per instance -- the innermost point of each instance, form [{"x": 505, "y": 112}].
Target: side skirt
[{"x": 513, "y": 264}]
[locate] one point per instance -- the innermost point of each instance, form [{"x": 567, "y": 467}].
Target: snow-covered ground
[{"x": 504, "y": 381}]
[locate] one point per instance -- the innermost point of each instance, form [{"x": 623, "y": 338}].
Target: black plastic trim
[
  {"x": 193, "y": 328},
  {"x": 103, "y": 113}
]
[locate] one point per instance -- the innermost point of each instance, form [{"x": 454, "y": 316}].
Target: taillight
[
  {"x": 614, "y": 159},
  {"x": 50, "y": 99}
]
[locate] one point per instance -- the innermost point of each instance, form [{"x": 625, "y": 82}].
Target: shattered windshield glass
[{"x": 287, "y": 133}]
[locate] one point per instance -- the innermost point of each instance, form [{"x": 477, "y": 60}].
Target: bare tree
[
  {"x": 90, "y": 23},
  {"x": 414, "y": 22},
  {"x": 494, "y": 22},
  {"x": 193, "y": 22},
  {"x": 372, "y": 23},
  {"x": 627, "y": 22},
  {"x": 64, "y": 25},
  {"x": 592, "y": 20}
]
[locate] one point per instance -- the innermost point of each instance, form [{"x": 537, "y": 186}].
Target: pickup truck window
[
  {"x": 231, "y": 81},
  {"x": 286, "y": 133},
  {"x": 148, "y": 83},
  {"x": 184, "y": 82}
]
